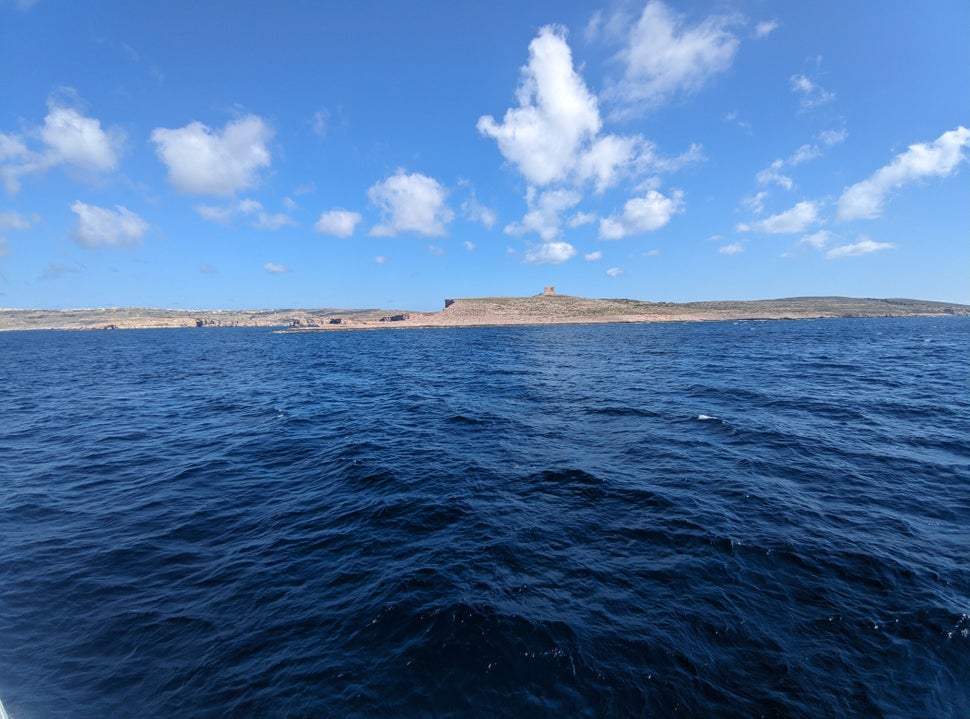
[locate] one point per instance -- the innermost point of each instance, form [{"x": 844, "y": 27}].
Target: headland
[{"x": 548, "y": 308}]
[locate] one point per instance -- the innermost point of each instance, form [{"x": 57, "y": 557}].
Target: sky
[{"x": 207, "y": 155}]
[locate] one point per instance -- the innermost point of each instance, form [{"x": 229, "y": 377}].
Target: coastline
[{"x": 545, "y": 309}]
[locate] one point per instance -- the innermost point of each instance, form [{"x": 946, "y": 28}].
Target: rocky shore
[{"x": 480, "y": 312}]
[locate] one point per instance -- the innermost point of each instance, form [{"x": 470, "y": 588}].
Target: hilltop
[{"x": 482, "y": 312}]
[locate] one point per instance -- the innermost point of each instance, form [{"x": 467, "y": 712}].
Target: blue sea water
[{"x": 704, "y": 520}]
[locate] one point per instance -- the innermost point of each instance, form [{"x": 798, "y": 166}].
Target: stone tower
[{"x": 549, "y": 291}]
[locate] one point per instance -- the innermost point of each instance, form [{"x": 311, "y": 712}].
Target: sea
[{"x": 720, "y": 519}]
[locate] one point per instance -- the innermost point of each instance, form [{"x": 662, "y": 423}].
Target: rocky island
[{"x": 543, "y": 309}]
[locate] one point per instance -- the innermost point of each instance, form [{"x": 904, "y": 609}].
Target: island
[{"x": 547, "y": 308}]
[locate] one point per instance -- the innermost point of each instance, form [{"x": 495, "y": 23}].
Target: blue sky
[{"x": 378, "y": 154}]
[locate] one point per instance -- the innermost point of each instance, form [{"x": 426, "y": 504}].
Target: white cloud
[
  {"x": 67, "y": 138},
  {"x": 796, "y": 219},
  {"x": 755, "y": 203},
  {"x": 275, "y": 268},
  {"x": 811, "y": 95},
  {"x": 593, "y": 256},
  {"x": 338, "y": 222},
  {"x": 4, "y": 250},
  {"x": 202, "y": 161},
  {"x": 266, "y": 221},
  {"x": 651, "y": 253},
  {"x": 549, "y": 253},
  {"x": 863, "y": 247},
  {"x": 581, "y": 218},
  {"x": 411, "y": 203},
  {"x": 765, "y": 28},
  {"x": 436, "y": 250},
  {"x": 642, "y": 214},
  {"x": 614, "y": 272},
  {"x": 772, "y": 174},
  {"x": 475, "y": 211},
  {"x": 732, "y": 249},
  {"x": 804, "y": 154},
  {"x": 289, "y": 203},
  {"x": 15, "y": 221},
  {"x": 605, "y": 160},
  {"x": 101, "y": 227},
  {"x": 664, "y": 57},
  {"x": 321, "y": 119},
  {"x": 940, "y": 158},
  {"x": 556, "y": 113},
  {"x": 380, "y": 260},
  {"x": 263, "y": 220},
  {"x": 76, "y": 140},
  {"x": 544, "y": 215},
  {"x": 818, "y": 240},
  {"x": 213, "y": 213},
  {"x": 469, "y": 245},
  {"x": 249, "y": 206},
  {"x": 833, "y": 137}
]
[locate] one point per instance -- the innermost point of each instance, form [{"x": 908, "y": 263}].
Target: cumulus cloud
[
  {"x": 469, "y": 245},
  {"x": 338, "y": 222},
  {"x": 102, "y": 227},
  {"x": 545, "y": 213},
  {"x": 796, "y": 219},
  {"x": 275, "y": 268},
  {"x": 74, "y": 139},
  {"x": 641, "y": 215},
  {"x": 731, "y": 249},
  {"x": 593, "y": 256},
  {"x": 614, "y": 272},
  {"x": 864, "y": 246},
  {"x": 810, "y": 94},
  {"x": 605, "y": 160},
  {"x": 411, "y": 203},
  {"x": 940, "y": 158},
  {"x": 664, "y": 57},
  {"x": 67, "y": 138},
  {"x": 549, "y": 253},
  {"x": 380, "y": 260},
  {"x": 556, "y": 113},
  {"x": 202, "y": 161}
]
